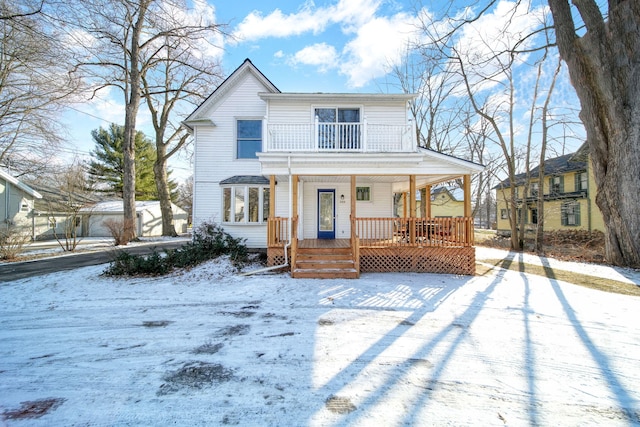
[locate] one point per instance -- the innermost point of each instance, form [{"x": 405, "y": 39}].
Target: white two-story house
[{"x": 312, "y": 177}]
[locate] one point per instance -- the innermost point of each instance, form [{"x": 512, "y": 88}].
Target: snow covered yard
[{"x": 208, "y": 347}]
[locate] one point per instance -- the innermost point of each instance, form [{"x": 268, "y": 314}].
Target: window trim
[
  {"x": 245, "y": 189},
  {"x": 236, "y": 139},
  {"x": 575, "y": 213},
  {"x": 369, "y": 193}
]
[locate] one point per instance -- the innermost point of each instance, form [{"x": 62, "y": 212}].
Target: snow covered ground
[{"x": 209, "y": 347}]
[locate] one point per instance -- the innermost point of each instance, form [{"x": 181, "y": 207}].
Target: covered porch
[{"x": 407, "y": 241}]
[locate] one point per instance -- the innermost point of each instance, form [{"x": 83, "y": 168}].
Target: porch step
[
  {"x": 324, "y": 263},
  {"x": 325, "y": 273}
]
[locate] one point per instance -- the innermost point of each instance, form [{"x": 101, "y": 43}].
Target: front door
[{"x": 326, "y": 214}]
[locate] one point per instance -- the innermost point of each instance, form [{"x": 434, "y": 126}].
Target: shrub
[
  {"x": 209, "y": 241},
  {"x": 120, "y": 230},
  {"x": 12, "y": 241}
]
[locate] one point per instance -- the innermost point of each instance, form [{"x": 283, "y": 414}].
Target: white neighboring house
[
  {"x": 303, "y": 173},
  {"x": 148, "y": 216},
  {"x": 16, "y": 202}
]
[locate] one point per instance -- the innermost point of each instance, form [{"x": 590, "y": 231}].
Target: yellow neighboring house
[
  {"x": 569, "y": 196},
  {"x": 445, "y": 205}
]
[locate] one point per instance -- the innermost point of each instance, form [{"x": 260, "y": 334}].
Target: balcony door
[
  {"x": 338, "y": 128},
  {"x": 326, "y": 214}
]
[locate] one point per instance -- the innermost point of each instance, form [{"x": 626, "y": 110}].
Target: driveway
[{"x": 96, "y": 255}]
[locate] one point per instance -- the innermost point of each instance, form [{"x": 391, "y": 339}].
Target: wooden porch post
[
  {"x": 467, "y": 208},
  {"x": 412, "y": 208},
  {"x": 272, "y": 196},
  {"x": 404, "y": 205},
  {"x": 427, "y": 201},
  {"x": 353, "y": 196},
  {"x": 273, "y": 227},
  {"x": 294, "y": 221}
]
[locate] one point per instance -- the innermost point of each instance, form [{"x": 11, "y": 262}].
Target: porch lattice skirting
[
  {"x": 406, "y": 259},
  {"x": 419, "y": 260},
  {"x": 275, "y": 256}
]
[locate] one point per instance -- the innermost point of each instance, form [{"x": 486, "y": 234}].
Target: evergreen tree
[{"x": 106, "y": 170}]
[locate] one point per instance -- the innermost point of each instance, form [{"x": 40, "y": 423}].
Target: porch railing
[
  {"x": 389, "y": 232},
  {"x": 342, "y": 137},
  {"x": 277, "y": 232},
  {"x": 397, "y": 232}
]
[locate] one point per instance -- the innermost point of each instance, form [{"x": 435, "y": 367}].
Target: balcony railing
[{"x": 340, "y": 137}]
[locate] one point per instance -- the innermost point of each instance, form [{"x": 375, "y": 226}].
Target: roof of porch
[{"x": 428, "y": 166}]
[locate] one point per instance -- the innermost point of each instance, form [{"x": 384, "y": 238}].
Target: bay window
[{"x": 245, "y": 204}]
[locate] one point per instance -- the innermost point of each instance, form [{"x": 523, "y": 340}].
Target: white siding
[
  {"x": 381, "y": 205},
  {"x": 302, "y": 112},
  {"x": 215, "y": 156}
]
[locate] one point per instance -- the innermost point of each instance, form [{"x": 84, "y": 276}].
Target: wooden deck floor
[{"x": 324, "y": 243}]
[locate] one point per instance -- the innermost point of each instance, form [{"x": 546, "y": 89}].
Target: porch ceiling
[
  {"x": 428, "y": 167},
  {"x": 400, "y": 182}
]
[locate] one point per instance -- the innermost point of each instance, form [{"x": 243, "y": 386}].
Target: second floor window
[
  {"x": 533, "y": 190},
  {"x": 249, "y": 138},
  {"x": 339, "y": 128},
  {"x": 556, "y": 185},
  {"x": 581, "y": 181}
]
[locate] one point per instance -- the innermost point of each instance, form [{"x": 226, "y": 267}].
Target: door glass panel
[
  {"x": 351, "y": 115},
  {"x": 325, "y": 222}
]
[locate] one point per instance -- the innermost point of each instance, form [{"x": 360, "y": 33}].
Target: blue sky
[{"x": 321, "y": 46}]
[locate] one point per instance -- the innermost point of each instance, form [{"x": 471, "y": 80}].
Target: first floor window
[
  {"x": 571, "y": 213},
  {"x": 363, "y": 194},
  {"x": 245, "y": 204},
  {"x": 534, "y": 216}
]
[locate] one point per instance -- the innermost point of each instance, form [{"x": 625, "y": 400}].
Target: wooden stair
[{"x": 324, "y": 263}]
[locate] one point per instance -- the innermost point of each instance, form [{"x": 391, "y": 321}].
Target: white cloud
[
  {"x": 320, "y": 55},
  {"x": 379, "y": 45},
  {"x": 278, "y": 54},
  {"x": 377, "y": 42},
  {"x": 276, "y": 24}
]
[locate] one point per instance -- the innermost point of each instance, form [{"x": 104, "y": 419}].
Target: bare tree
[
  {"x": 539, "y": 239},
  {"x": 180, "y": 74},
  {"x": 185, "y": 197},
  {"x": 603, "y": 65},
  {"x": 120, "y": 41},
  {"x": 34, "y": 85},
  {"x": 66, "y": 191}
]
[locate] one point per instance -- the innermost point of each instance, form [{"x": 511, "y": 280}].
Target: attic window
[{"x": 24, "y": 207}]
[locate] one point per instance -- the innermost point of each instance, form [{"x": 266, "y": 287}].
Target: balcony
[{"x": 360, "y": 137}]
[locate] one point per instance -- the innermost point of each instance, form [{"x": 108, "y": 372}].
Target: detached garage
[{"x": 148, "y": 216}]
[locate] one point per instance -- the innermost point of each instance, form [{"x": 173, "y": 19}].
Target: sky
[
  {"x": 301, "y": 46},
  {"x": 209, "y": 347}
]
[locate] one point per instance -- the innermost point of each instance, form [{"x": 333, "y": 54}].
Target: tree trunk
[
  {"x": 164, "y": 194},
  {"x": 603, "y": 66},
  {"x": 131, "y": 113}
]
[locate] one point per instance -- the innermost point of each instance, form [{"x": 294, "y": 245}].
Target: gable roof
[
  {"x": 246, "y": 67},
  {"x": 24, "y": 187},
  {"x": 573, "y": 162},
  {"x": 444, "y": 190}
]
